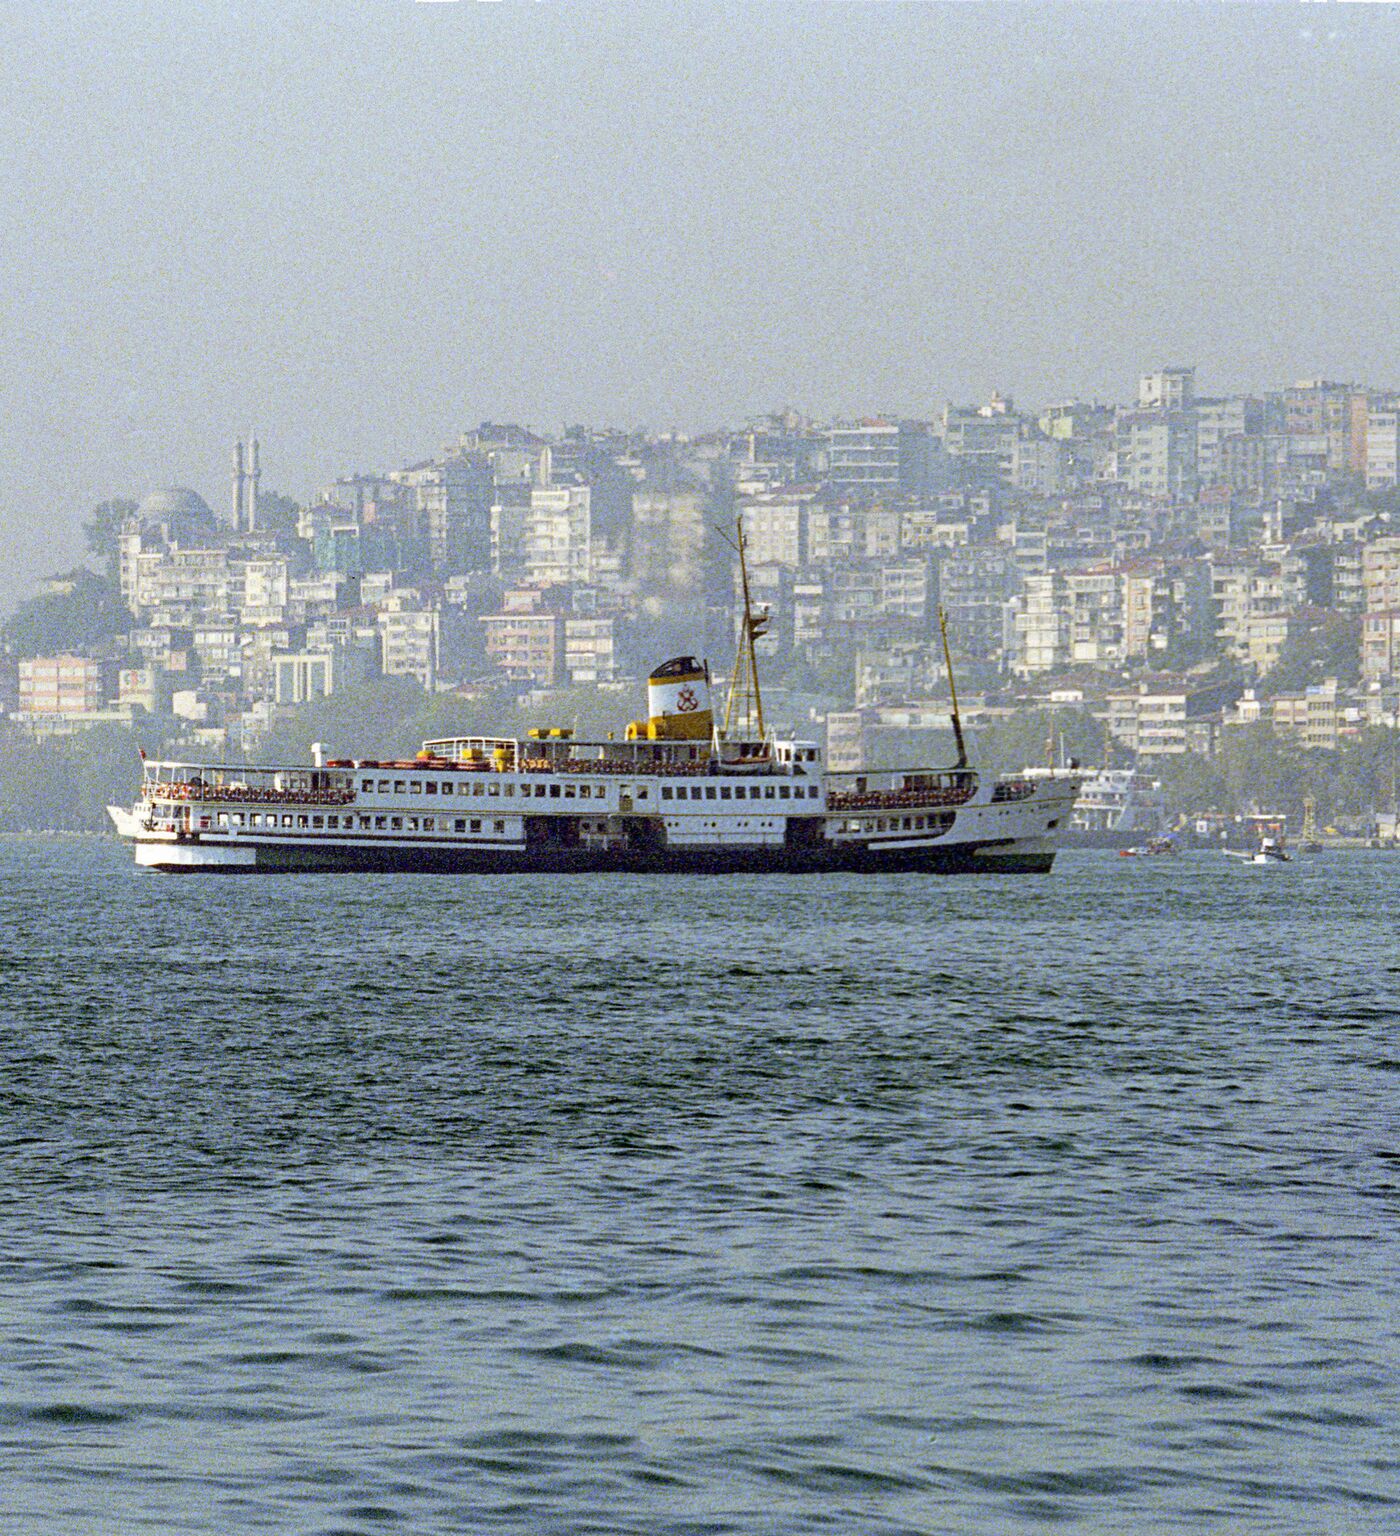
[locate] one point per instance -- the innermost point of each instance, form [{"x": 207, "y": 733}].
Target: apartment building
[
  {"x": 526, "y": 646},
  {"x": 64, "y": 685},
  {"x": 1169, "y": 719},
  {"x": 1317, "y": 717}
]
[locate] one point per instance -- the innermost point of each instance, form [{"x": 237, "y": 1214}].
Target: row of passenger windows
[
  {"x": 570, "y": 791},
  {"x": 890, "y": 824},
  {"x": 483, "y": 786},
  {"x": 308, "y": 823},
  {"x": 739, "y": 792}
]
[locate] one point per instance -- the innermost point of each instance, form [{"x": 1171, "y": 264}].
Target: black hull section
[
  {"x": 983, "y": 858},
  {"x": 1074, "y": 838}
]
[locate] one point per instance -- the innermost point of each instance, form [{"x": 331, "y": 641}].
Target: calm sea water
[{"x": 680, "y": 1205}]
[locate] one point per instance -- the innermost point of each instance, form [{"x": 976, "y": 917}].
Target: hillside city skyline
[
  {"x": 1177, "y": 573},
  {"x": 209, "y": 473},
  {"x": 359, "y": 229}
]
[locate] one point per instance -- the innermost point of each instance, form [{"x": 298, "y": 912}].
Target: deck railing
[
  {"x": 243, "y": 795},
  {"x": 896, "y": 799}
]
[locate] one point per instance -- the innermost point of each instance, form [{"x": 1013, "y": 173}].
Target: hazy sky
[{"x": 362, "y": 226}]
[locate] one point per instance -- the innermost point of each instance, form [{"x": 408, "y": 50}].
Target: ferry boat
[
  {"x": 1117, "y": 808},
  {"x": 680, "y": 792}
]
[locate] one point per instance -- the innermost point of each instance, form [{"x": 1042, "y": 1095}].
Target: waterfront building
[
  {"x": 1319, "y": 717},
  {"x": 63, "y": 685},
  {"x": 144, "y": 688}
]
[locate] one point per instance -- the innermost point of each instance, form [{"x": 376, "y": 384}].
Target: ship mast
[
  {"x": 744, "y": 706},
  {"x": 952, "y": 690}
]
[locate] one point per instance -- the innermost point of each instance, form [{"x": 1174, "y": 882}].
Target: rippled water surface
[{"x": 680, "y": 1205}]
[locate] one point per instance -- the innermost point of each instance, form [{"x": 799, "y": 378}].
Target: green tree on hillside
[
  {"x": 102, "y": 532},
  {"x": 66, "y": 784},
  {"x": 276, "y": 513},
  {"x": 1030, "y": 738},
  {"x": 81, "y": 611},
  {"x": 1329, "y": 646}
]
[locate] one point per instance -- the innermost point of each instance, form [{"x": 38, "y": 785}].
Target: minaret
[
  {"x": 254, "y": 474},
  {"x": 238, "y": 478}
]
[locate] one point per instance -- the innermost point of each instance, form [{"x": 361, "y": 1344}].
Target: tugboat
[{"x": 681, "y": 792}]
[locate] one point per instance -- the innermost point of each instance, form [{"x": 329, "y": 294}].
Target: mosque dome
[{"x": 177, "y": 510}]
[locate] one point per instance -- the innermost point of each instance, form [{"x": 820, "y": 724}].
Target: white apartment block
[
  {"x": 411, "y": 638},
  {"x": 1216, "y": 420},
  {"x": 1317, "y": 717},
  {"x": 266, "y": 591},
  {"x": 1169, "y": 389},
  {"x": 60, "y": 685},
  {"x": 453, "y": 501},
  {"x": 1156, "y": 453},
  {"x": 186, "y": 586},
  {"x": 298, "y": 677},
  {"x": 775, "y": 528},
  {"x": 1168, "y": 720},
  {"x": 1094, "y": 599},
  {"x": 1382, "y": 448},
  {"x": 1040, "y": 466},
  {"x": 1380, "y": 645},
  {"x": 1041, "y": 627},
  {"x": 840, "y": 534},
  {"x": 1149, "y": 612},
  {"x": 1380, "y": 575},
  {"x": 590, "y": 650},
  {"x": 557, "y": 535},
  {"x": 863, "y": 456}
]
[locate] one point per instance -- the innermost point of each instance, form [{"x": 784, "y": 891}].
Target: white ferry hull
[
  {"x": 990, "y": 859},
  {"x": 982, "y": 839},
  {"x": 172, "y": 855}
]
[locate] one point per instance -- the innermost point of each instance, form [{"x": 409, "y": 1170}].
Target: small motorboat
[
  {"x": 1269, "y": 851},
  {"x": 1153, "y": 845}
]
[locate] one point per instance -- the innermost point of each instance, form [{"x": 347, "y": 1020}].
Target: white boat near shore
[{"x": 1269, "y": 851}]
